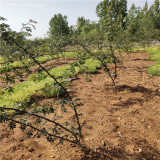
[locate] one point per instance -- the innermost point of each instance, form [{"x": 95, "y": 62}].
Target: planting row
[
  {"x": 5, "y": 66},
  {"x": 41, "y": 85}
]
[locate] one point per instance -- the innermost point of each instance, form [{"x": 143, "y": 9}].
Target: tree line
[{"x": 123, "y": 28}]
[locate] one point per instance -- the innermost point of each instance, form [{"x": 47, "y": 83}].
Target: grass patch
[
  {"x": 155, "y": 69},
  {"x": 155, "y": 51},
  {"x": 41, "y": 84},
  {"x": 42, "y": 59},
  {"x": 1, "y": 59}
]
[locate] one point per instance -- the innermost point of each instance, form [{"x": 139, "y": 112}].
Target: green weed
[
  {"x": 155, "y": 69},
  {"x": 155, "y": 51}
]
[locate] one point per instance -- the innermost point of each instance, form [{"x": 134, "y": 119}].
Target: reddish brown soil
[{"x": 122, "y": 121}]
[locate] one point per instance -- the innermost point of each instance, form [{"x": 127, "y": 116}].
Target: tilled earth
[{"x": 122, "y": 121}]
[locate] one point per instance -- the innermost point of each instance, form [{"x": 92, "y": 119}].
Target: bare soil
[{"x": 122, "y": 121}]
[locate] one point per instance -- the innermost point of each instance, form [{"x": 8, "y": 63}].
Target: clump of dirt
[{"x": 122, "y": 121}]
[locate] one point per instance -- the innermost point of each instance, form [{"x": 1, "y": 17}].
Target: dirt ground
[{"x": 122, "y": 121}]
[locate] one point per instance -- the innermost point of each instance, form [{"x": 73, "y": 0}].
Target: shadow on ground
[{"x": 148, "y": 153}]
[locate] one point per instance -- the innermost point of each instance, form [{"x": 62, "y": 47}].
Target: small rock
[
  {"x": 31, "y": 149},
  {"x": 73, "y": 145},
  {"x": 104, "y": 143},
  {"x": 140, "y": 150},
  {"x": 157, "y": 90},
  {"x": 89, "y": 127},
  {"x": 39, "y": 155}
]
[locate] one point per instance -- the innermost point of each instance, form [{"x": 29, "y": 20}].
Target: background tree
[
  {"x": 112, "y": 14},
  {"x": 58, "y": 26},
  {"x": 82, "y": 22},
  {"x": 154, "y": 12},
  {"x": 142, "y": 23},
  {"x": 58, "y": 33},
  {"x": 91, "y": 36}
]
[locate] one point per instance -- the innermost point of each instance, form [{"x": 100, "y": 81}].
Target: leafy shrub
[
  {"x": 155, "y": 69},
  {"x": 4, "y": 68},
  {"x": 155, "y": 51},
  {"x": 91, "y": 69},
  {"x": 17, "y": 64},
  {"x": 1, "y": 59},
  {"x": 37, "y": 77},
  {"x": 53, "y": 90},
  {"x": 155, "y": 57},
  {"x": 44, "y": 59}
]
